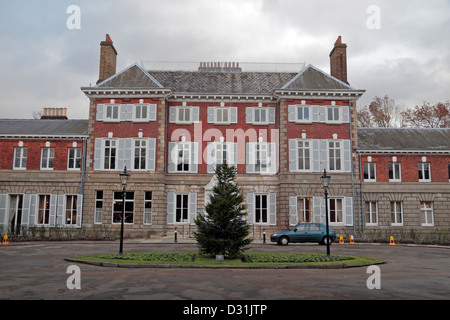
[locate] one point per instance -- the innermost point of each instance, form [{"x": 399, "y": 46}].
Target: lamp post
[
  {"x": 325, "y": 179},
  {"x": 124, "y": 176}
]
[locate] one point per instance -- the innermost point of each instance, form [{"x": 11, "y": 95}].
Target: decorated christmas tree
[{"x": 223, "y": 229}]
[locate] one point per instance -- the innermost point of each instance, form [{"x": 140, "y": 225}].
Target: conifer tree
[{"x": 222, "y": 230}]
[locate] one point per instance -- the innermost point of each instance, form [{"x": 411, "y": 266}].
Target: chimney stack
[
  {"x": 54, "y": 114},
  {"x": 338, "y": 60},
  {"x": 108, "y": 57}
]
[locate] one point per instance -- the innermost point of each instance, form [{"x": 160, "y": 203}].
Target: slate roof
[
  {"x": 222, "y": 82},
  {"x": 404, "y": 139},
  {"x": 41, "y": 127}
]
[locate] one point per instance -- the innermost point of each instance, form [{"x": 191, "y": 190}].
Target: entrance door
[{"x": 15, "y": 213}]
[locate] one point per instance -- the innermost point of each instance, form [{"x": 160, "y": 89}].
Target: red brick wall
[
  {"x": 201, "y": 131},
  {"x": 409, "y": 167},
  {"x": 34, "y": 152}
]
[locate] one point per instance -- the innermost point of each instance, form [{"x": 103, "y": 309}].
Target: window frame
[
  {"x": 128, "y": 200},
  {"x": 370, "y": 171},
  {"x": 142, "y": 159},
  {"x": 259, "y": 211},
  {"x": 183, "y": 110},
  {"x": 424, "y": 216},
  {"x": 371, "y": 211},
  {"x": 335, "y": 111},
  {"x": 50, "y": 158},
  {"x": 45, "y": 211},
  {"x": 76, "y": 158},
  {"x": 98, "y": 213},
  {"x": 396, "y": 214},
  {"x": 135, "y": 112},
  {"x": 72, "y": 210},
  {"x": 22, "y": 158},
  {"x": 304, "y": 148},
  {"x": 147, "y": 217},
  {"x": 394, "y": 178},
  {"x": 303, "y": 108},
  {"x": 338, "y": 212},
  {"x": 116, "y": 154},
  {"x": 422, "y": 170},
  {"x": 332, "y": 158},
  {"x": 114, "y": 113}
]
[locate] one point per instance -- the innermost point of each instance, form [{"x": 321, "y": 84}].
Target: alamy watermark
[
  {"x": 74, "y": 281},
  {"x": 73, "y": 22},
  {"x": 374, "y": 281},
  {"x": 373, "y": 22}
]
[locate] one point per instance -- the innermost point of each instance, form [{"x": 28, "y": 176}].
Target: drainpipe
[{"x": 351, "y": 163}]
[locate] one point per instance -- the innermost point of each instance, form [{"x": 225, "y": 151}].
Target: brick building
[
  {"x": 41, "y": 179},
  {"x": 171, "y": 128}
]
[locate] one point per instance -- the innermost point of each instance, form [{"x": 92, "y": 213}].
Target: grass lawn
[{"x": 250, "y": 259}]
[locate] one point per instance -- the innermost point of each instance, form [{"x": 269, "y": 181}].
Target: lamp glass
[
  {"x": 124, "y": 176},
  {"x": 325, "y": 179}
]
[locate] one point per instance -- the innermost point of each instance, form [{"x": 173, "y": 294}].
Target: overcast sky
[{"x": 398, "y": 48}]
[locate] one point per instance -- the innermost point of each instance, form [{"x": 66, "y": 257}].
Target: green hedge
[{"x": 262, "y": 257}]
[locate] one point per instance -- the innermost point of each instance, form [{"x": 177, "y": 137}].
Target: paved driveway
[{"x": 38, "y": 271}]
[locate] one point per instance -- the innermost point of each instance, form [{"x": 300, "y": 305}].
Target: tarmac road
[{"x": 37, "y": 270}]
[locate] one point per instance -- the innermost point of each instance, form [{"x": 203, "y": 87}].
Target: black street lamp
[
  {"x": 325, "y": 183},
  {"x": 124, "y": 177}
]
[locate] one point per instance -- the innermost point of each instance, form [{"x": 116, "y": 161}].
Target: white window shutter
[
  {"x": 33, "y": 209},
  {"x": 322, "y": 113},
  {"x": 193, "y": 166},
  {"x": 272, "y": 157},
  {"x": 315, "y": 155},
  {"x": 53, "y": 205},
  {"x": 292, "y": 113},
  {"x": 60, "y": 210},
  {"x": 125, "y": 153},
  {"x": 100, "y": 112},
  {"x": 293, "y": 215},
  {"x": 318, "y": 210},
  {"x": 129, "y": 111},
  {"x": 347, "y": 156},
  {"x": 211, "y": 114},
  {"x": 151, "y": 154},
  {"x": 173, "y": 114},
  {"x": 192, "y": 207},
  {"x": 345, "y": 114},
  {"x": 250, "y": 208},
  {"x": 98, "y": 149},
  {"x": 293, "y": 160},
  {"x": 315, "y": 113},
  {"x": 195, "y": 113},
  {"x": 211, "y": 157},
  {"x": 249, "y": 115},
  {"x": 250, "y": 157},
  {"x": 348, "y": 204},
  {"x": 3, "y": 198},
  {"x": 272, "y": 208},
  {"x": 324, "y": 160},
  {"x": 172, "y": 157},
  {"x": 170, "y": 207},
  {"x": 232, "y": 154},
  {"x": 272, "y": 115},
  {"x": 152, "y": 108},
  {"x": 26, "y": 210},
  {"x": 233, "y": 114},
  {"x": 79, "y": 210}
]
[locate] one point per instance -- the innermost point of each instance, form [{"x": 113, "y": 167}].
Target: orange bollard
[
  {"x": 341, "y": 240},
  {"x": 5, "y": 240}
]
